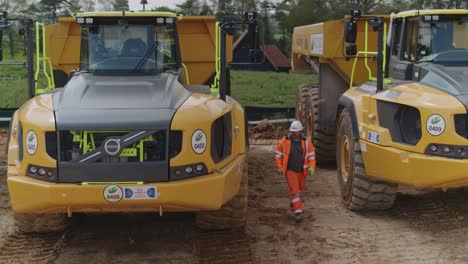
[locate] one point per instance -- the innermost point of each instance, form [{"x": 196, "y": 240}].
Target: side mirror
[{"x": 350, "y": 31}]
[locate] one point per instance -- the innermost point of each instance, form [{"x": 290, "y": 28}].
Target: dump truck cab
[
  {"x": 412, "y": 125},
  {"x": 127, "y": 132},
  {"x": 134, "y": 45}
]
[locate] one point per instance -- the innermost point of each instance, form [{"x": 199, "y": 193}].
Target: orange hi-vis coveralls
[{"x": 296, "y": 180}]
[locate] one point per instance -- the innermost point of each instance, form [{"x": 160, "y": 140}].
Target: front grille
[
  {"x": 461, "y": 125},
  {"x": 113, "y": 147}
]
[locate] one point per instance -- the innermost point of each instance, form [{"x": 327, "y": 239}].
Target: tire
[
  {"x": 232, "y": 215},
  {"x": 40, "y": 223},
  {"x": 301, "y": 97},
  {"x": 325, "y": 146},
  {"x": 358, "y": 192}
]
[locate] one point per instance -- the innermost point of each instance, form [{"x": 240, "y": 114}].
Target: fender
[{"x": 346, "y": 102}]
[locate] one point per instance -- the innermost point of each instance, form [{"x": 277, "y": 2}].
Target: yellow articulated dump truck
[
  {"x": 133, "y": 125},
  {"x": 391, "y": 105}
]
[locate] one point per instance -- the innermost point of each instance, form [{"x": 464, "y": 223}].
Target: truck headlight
[{"x": 449, "y": 151}]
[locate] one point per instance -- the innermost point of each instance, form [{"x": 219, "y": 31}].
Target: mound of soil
[{"x": 266, "y": 130}]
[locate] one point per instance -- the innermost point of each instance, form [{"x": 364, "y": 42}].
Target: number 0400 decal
[
  {"x": 199, "y": 141},
  {"x": 435, "y": 125}
]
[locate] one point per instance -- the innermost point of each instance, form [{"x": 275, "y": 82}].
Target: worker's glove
[
  {"x": 280, "y": 171},
  {"x": 311, "y": 171}
]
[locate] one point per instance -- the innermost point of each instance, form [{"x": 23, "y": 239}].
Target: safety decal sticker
[
  {"x": 141, "y": 193},
  {"x": 373, "y": 137},
  {"x": 31, "y": 142},
  {"x": 435, "y": 125},
  {"x": 113, "y": 193},
  {"x": 199, "y": 141}
]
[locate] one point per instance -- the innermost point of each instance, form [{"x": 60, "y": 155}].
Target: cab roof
[
  {"x": 126, "y": 14},
  {"x": 412, "y": 13}
]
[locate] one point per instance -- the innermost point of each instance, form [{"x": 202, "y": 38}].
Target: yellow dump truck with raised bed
[
  {"x": 133, "y": 125},
  {"x": 391, "y": 105}
]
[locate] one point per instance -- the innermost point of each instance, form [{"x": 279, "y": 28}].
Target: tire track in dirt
[
  {"x": 221, "y": 247},
  {"x": 430, "y": 227},
  {"x": 129, "y": 238},
  {"x": 31, "y": 248}
]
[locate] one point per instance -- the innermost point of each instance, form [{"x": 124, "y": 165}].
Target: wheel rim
[{"x": 345, "y": 158}]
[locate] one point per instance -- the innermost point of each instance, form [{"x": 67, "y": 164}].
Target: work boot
[{"x": 298, "y": 216}]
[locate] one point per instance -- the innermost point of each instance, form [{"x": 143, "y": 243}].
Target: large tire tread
[
  {"x": 364, "y": 193},
  {"x": 302, "y": 93},
  {"x": 324, "y": 143}
]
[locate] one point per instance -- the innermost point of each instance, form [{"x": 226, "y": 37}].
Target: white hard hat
[{"x": 295, "y": 126}]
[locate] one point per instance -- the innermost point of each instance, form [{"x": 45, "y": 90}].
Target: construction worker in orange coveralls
[{"x": 295, "y": 159}]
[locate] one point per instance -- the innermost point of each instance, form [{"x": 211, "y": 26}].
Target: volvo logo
[{"x": 112, "y": 146}]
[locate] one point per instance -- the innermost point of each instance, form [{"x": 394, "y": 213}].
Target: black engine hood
[
  {"x": 450, "y": 79},
  {"x": 91, "y": 102}
]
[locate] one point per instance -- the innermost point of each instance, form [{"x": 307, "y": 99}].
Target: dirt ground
[{"x": 423, "y": 227}]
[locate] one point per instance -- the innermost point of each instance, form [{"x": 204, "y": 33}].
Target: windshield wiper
[{"x": 145, "y": 58}]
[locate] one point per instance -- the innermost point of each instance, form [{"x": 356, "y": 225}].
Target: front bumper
[
  {"x": 420, "y": 170},
  {"x": 207, "y": 192}
]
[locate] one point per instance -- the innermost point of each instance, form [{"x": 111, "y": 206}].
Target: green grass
[
  {"x": 250, "y": 88},
  {"x": 268, "y": 89},
  {"x": 14, "y": 92}
]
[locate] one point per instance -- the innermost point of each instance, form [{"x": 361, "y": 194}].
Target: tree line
[{"x": 278, "y": 17}]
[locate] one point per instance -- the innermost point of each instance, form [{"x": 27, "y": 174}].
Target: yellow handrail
[
  {"x": 366, "y": 53},
  {"x": 46, "y": 62},
  {"x": 215, "y": 86},
  {"x": 186, "y": 74}
]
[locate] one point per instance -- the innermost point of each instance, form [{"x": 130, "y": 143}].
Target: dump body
[
  {"x": 324, "y": 44},
  {"x": 197, "y": 41}
]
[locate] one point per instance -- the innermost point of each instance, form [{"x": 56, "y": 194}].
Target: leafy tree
[
  {"x": 120, "y": 5},
  {"x": 52, "y": 9},
  {"x": 189, "y": 7},
  {"x": 88, "y": 5},
  {"x": 282, "y": 10},
  {"x": 225, "y": 9},
  {"x": 205, "y": 9},
  {"x": 265, "y": 7},
  {"x": 163, "y": 9},
  {"x": 194, "y": 8}
]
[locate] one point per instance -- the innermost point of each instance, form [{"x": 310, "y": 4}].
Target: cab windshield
[
  {"x": 443, "y": 41},
  {"x": 128, "y": 49}
]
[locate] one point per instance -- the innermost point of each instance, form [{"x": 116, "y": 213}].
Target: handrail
[
  {"x": 215, "y": 86},
  {"x": 46, "y": 62},
  {"x": 186, "y": 74},
  {"x": 365, "y": 52}
]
